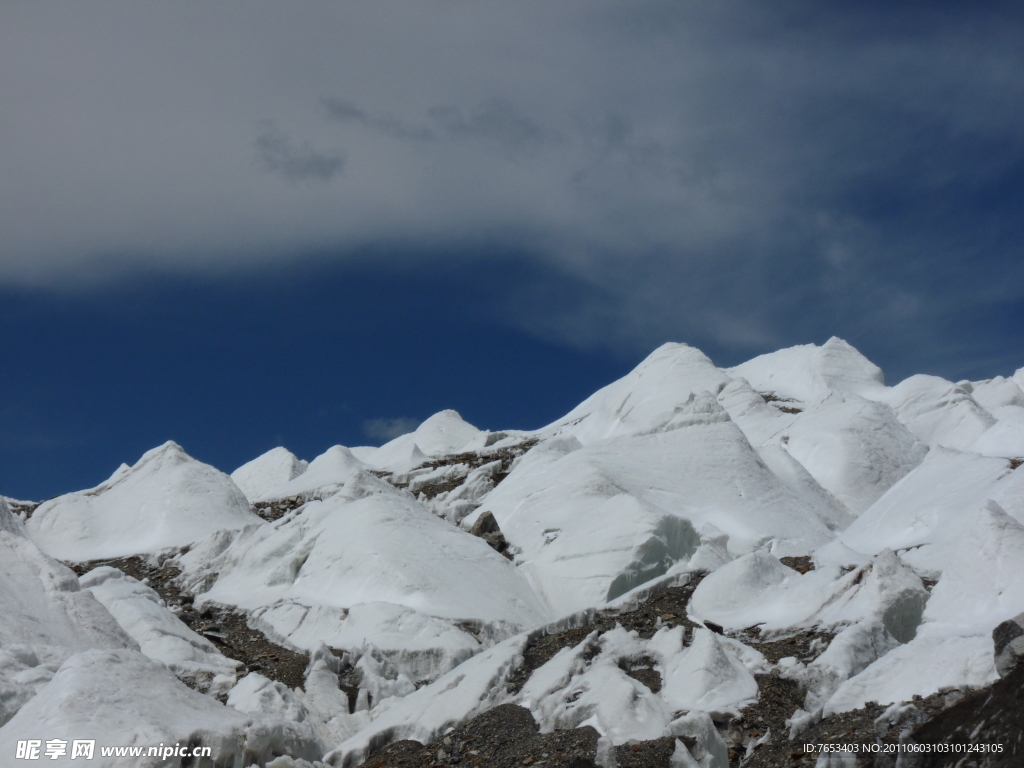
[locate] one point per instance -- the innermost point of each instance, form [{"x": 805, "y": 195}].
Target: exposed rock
[
  {"x": 1008, "y": 639},
  {"x": 275, "y": 509},
  {"x": 486, "y": 527},
  {"x": 503, "y": 737},
  {"x": 226, "y": 627},
  {"x": 799, "y": 564},
  {"x": 716, "y": 628},
  {"x": 22, "y": 509},
  {"x": 984, "y": 729}
]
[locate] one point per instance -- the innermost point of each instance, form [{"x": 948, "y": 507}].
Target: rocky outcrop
[
  {"x": 486, "y": 527},
  {"x": 1008, "y": 639},
  {"x": 983, "y": 730}
]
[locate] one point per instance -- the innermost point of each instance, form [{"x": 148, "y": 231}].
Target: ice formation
[{"x": 906, "y": 503}]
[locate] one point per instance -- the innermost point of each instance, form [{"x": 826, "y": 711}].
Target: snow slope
[
  {"x": 361, "y": 547},
  {"x": 167, "y": 499},
  {"x": 369, "y": 565},
  {"x": 594, "y": 521},
  {"x": 44, "y": 618},
  {"x": 909, "y": 500},
  {"x": 980, "y": 588},
  {"x": 927, "y": 514},
  {"x": 810, "y": 373},
  {"x": 938, "y": 412},
  {"x": 1005, "y": 438},
  {"x": 645, "y": 399}
]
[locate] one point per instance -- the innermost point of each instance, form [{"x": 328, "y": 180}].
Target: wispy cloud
[
  {"x": 383, "y": 430},
  {"x": 729, "y": 171},
  {"x": 495, "y": 121}
]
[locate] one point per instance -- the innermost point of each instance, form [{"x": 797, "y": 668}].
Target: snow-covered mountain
[{"x": 794, "y": 499}]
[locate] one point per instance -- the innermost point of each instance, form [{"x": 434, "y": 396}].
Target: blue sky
[{"x": 239, "y": 227}]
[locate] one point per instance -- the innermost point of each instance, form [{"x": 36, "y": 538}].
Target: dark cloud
[
  {"x": 278, "y": 154},
  {"x": 383, "y": 430},
  {"x": 386, "y": 124}
]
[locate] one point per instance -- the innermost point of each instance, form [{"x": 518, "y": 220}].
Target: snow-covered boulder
[
  {"x": 758, "y": 590},
  {"x": 936, "y": 658},
  {"x": 269, "y": 470},
  {"x": 737, "y": 591},
  {"x": 420, "y": 646},
  {"x": 167, "y": 499},
  {"x": 257, "y": 695},
  {"x": 569, "y": 691},
  {"x": 588, "y": 684},
  {"x": 708, "y": 677},
  {"x": 368, "y": 567},
  {"x": 604, "y": 696}
]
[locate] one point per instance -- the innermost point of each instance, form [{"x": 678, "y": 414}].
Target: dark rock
[
  {"x": 1008, "y": 642},
  {"x": 486, "y": 527},
  {"x": 25, "y": 508},
  {"x": 485, "y": 524},
  {"x": 503, "y": 737},
  {"x": 993, "y": 717},
  {"x": 226, "y": 626},
  {"x": 716, "y": 628},
  {"x": 801, "y": 564},
  {"x": 643, "y": 670}
]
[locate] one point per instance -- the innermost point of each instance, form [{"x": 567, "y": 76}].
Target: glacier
[{"x": 794, "y": 495}]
